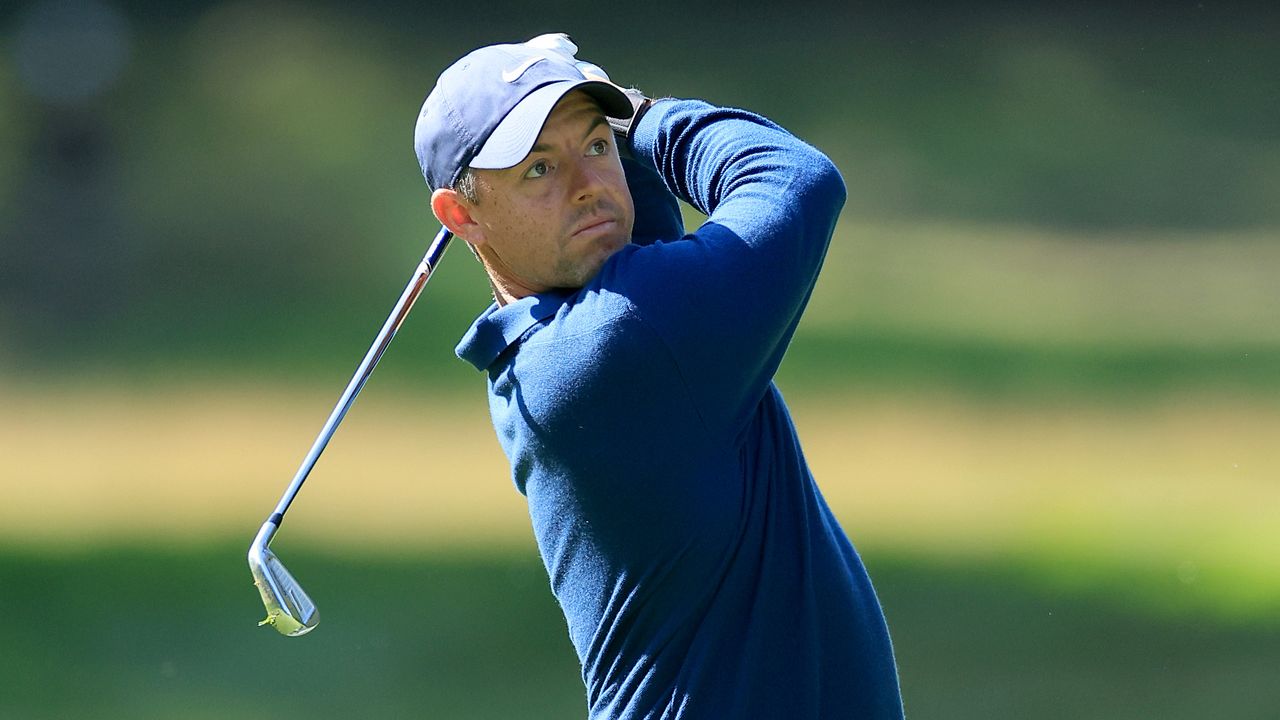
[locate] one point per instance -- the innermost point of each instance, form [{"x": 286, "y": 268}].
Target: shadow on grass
[{"x": 150, "y": 633}]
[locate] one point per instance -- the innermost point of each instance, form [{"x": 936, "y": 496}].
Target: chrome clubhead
[{"x": 289, "y": 608}]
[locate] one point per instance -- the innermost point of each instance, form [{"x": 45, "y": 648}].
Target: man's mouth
[{"x": 595, "y": 226}]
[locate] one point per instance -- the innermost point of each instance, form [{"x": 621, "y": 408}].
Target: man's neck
[{"x": 506, "y": 292}]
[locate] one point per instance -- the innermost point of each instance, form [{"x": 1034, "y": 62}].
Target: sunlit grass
[
  {"x": 1051, "y": 288},
  {"x": 1171, "y": 504}
]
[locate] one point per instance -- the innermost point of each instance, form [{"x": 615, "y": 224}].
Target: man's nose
[{"x": 587, "y": 181}]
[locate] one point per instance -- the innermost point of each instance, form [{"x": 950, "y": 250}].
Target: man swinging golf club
[{"x": 630, "y": 374}]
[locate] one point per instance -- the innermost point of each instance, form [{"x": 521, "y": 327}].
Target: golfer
[{"x": 630, "y": 372}]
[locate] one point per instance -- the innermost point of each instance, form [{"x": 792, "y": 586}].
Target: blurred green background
[{"x": 1039, "y": 380}]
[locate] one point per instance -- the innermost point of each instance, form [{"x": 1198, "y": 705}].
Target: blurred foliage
[
  {"x": 243, "y": 196},
  {"x": 1047, "y": 201}
]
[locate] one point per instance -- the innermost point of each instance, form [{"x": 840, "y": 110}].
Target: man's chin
[
  {"x": 590, "y": 268},
  {"x": 611, "y": 246}
]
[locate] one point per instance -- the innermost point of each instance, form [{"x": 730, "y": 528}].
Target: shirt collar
[{"x": 498, "y": 327}]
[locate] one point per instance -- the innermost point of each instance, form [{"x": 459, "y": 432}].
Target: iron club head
[{"x": 289, "y": 609}]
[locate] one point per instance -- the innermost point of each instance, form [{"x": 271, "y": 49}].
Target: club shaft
[{"x": 401, "y": 310}]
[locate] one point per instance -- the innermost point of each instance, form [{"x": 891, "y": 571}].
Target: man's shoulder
[
  {"x": 597, "y": 348},
  {"x": 583, "y": 384},
  {"x": 590, "y": 331}
]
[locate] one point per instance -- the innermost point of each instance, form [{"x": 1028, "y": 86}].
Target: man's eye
[
  {"x": 537, "y": 169},
  {"x": 599, "y": 147}
]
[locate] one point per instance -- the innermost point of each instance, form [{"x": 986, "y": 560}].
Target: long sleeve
[
  {"x": 700, "y": 572},
  {"x": 726, "y": 299}
]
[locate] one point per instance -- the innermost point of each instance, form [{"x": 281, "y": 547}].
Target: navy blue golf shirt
[{"x": 700, "y": 571}]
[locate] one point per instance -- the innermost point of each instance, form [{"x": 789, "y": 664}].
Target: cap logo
[
  {"x": 487, "y": 108},
  {"x": 514, "y": 73}
]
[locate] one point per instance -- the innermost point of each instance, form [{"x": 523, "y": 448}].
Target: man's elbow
[{"x": 823, "y": 184}]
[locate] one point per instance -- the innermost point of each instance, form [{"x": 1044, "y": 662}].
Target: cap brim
[{"x": 514, "y": 137}]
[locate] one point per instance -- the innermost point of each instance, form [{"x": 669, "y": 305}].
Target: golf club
[{"x": 289, "y": 608}]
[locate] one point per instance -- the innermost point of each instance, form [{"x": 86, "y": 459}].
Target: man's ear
[{"x": 452, "y": 210}]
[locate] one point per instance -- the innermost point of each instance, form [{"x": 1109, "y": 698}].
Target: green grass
[
  {"x": 996, "y": 370},
  {"x": 991, "y": 310},
  {"x": 132, "y": 632}
]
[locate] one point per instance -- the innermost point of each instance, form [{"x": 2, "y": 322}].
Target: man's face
[{"x": 552, "y": 220}]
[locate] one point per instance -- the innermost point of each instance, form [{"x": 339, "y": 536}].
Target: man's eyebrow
[{"x": 597, "y": 122}]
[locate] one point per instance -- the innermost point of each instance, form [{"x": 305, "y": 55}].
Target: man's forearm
[
  {"x": 726, "y": 298},
  {"x": 745, "y": 173}
]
